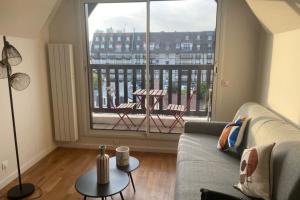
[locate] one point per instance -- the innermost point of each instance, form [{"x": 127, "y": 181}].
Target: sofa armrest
[{"x": 211, "y": 128}]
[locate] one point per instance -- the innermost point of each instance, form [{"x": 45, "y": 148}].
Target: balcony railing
[{"x": 178, "y": 80}]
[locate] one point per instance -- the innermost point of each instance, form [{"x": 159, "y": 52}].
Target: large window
[{"x": 181, "y": 57}]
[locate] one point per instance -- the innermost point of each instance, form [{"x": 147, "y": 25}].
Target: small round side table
[
  {"x": 87, "y": 184},
  {"x": 134, "y": 163}
]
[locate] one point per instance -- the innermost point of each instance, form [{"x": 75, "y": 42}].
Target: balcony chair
[
  {"x": 122, "y": 110},
  {"x": 179, "y": 110}
]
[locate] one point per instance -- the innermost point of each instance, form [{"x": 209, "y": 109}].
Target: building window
[
  {"x": 127, "y": 38},
  {"x": 209, "y": 46},
  {"x": 97, "y": 39},
  {"x": 96, "y": 46},
  {"x": 118, "y": 47},
  {"x": 127, "y": 47},
  {"x": 137, "y": 47},
  {"x": 152, "y": 46},
  {"x": 102, "y": 46},
  {"x": 138, "y": 38},
  {"x": 210, "y": 37},
  {"x": 157, "y": 46},
  {"x": 187, "y": 37},
  {"x": 186, "y": 46},
  {"x": 198, "y": 47},
  {"x": 198, "y": 37},
  {"x": 111, "y": 39},
  {"x": 119, "y": 38},
  {"x": 177, "y": 46},
  {"x": 167, "y": 47},
  {"x": 209, "y": 56},
  {"x": 103, "y": 39},
  {"x": 144, "y": 45},
  {"x": 110, "y": 46}
]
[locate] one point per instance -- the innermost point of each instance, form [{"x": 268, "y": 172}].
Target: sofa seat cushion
[
  {"x": 196, "y": 146},
  {"x": 216, "y": 176},
  {"x": 201, "y": 165}
]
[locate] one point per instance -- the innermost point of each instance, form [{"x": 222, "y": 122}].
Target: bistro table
[
  {"x": 87, "y": 184},
  {"x": 134, "y": 163},
  {"x": 157, "y": 95}
]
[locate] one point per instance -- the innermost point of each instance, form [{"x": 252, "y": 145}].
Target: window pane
[{"x": 117, "y": 44}]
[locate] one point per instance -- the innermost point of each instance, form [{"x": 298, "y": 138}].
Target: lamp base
[{"x": 17, "y": 193}]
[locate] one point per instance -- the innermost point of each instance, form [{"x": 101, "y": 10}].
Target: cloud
[{"x": 187, "y": 15}]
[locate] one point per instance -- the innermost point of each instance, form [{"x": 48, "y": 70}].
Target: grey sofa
[{"x": 201, "y": 165}]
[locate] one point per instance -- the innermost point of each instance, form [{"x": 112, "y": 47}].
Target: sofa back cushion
[{"x": 266, "y": 127}]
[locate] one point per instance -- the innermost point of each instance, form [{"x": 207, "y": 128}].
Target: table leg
[
  {"x": 130, "y": 175},
  {"x": 121, "y": 195},
  {"x": 84, "y": 197}
]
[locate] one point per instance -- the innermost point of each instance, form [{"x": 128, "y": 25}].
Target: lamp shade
[
  {"x": 19, "y": 81},
  {"x": 3, "y": 70},
  {"x": 14, "y": 57}
]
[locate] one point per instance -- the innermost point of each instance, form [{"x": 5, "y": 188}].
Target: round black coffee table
[
  {"x": 87, "y": 184},
  {"x": 133, "y": 165}
]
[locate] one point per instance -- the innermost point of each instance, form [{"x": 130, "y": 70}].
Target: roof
[{"x": 160, "y": 42}]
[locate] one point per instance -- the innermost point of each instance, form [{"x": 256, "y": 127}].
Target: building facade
[{"x": 166, "y": 48}]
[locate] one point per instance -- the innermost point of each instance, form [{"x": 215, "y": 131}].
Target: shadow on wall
[
  {"x": 266, "y": 56},
  {"x": 295, "y": 4}
]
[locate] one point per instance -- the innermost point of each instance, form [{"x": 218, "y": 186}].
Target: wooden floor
[{"x": 56, "y": 174}]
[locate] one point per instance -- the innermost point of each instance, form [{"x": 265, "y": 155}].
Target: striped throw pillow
[{"x": 232, "y": 134}]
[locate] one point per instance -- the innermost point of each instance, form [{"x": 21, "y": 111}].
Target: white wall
[
  {"x": 279, "y": 87},
  {"x": 32, "y": 109},
  {"x": 238, "y": 58},
  {"x": 238, "y": 65},
  {"x": 25, "y": 18}
]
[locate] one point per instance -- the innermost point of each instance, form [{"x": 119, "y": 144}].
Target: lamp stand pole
[{"x": 22, "y": 190}]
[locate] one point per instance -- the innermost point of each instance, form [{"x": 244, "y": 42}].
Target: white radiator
[{"x": 63, "y": 92}]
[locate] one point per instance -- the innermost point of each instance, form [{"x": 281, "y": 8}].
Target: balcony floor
[{"x": 106, "y": 121}]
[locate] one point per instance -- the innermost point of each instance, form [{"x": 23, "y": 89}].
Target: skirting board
[
  {"x": 136, "y": 148},
  {"x": 26, "y": 166}
]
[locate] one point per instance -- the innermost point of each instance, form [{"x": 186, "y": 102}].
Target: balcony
[{"x": 177, "y": 80}]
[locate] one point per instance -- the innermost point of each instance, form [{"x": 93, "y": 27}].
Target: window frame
[{"x": 83, "y": 36}]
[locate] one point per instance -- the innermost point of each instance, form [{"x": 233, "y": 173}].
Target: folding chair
[
  {"x": 179, "y": 110},
  {"x": 122, "y": 110}
]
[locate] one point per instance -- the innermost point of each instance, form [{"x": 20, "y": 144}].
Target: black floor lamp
[{"x": 18, "y": 81}]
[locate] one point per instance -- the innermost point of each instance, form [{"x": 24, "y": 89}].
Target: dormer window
[
  {"x": 186, "y": 46},
  {"x": 187, "y": 37},
  {"x": 118, "y": 47},
  {"x": 152, "y": 45},
  {"x": 198, "y": 37},
  {"x": 157, "y": 46},
  {"x": 198, "y": 47},
  {"x": 210, "y": 37},
  {"x": 119, "y": 38},
  {"x": 111, "y": 39},
  {"x": 138, "y": 38}
]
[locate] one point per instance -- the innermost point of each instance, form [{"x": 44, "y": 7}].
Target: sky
[{"x": 184, "y": 15}]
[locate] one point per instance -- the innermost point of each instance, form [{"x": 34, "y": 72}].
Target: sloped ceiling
[
  {"x": 24, "y": 18},
  {"x": 277, "y": 16}
]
